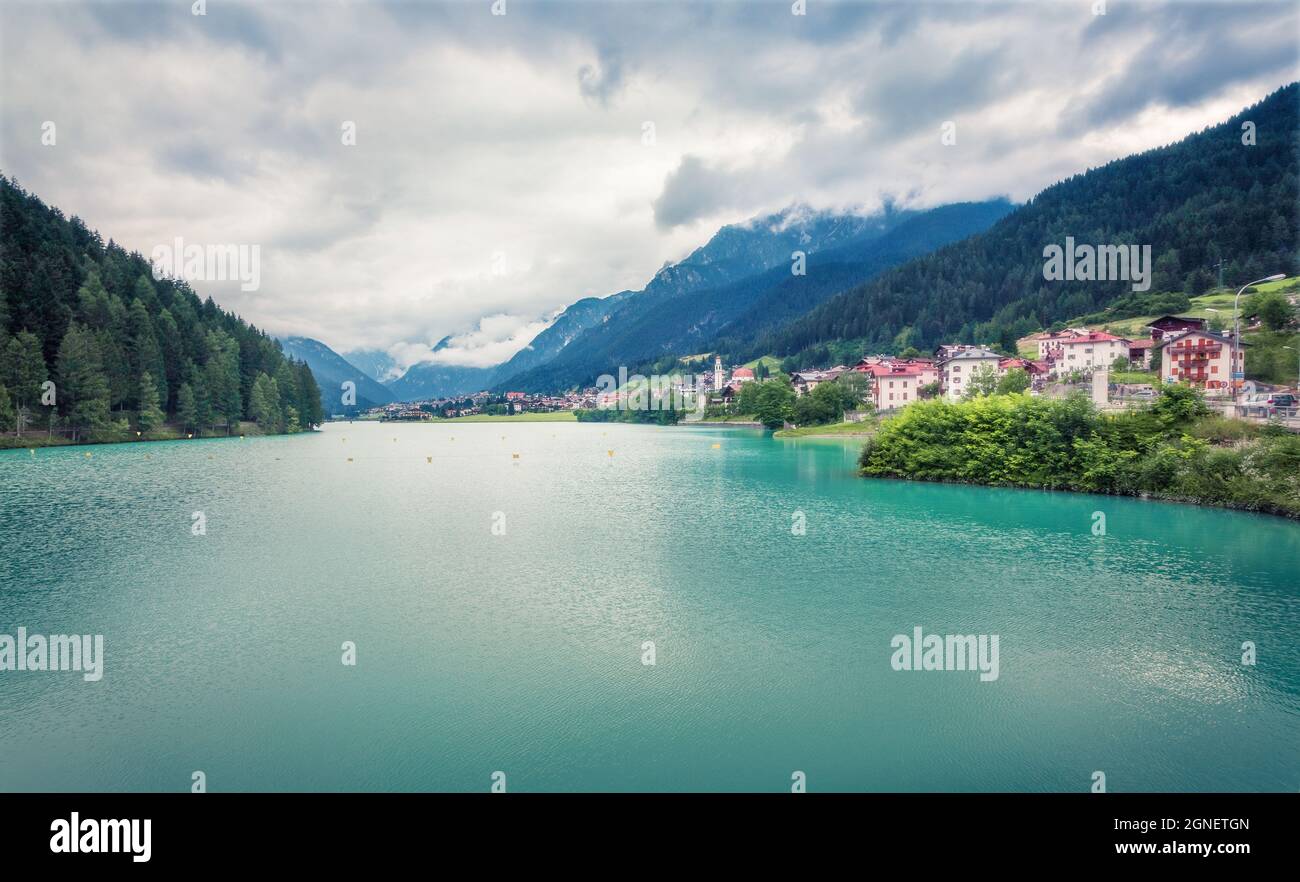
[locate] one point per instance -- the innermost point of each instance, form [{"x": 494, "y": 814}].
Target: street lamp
[{"x": 1236, "y": 334}]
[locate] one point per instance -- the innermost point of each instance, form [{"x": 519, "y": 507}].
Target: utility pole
[
  {"x": 1235, "y": 352},
  {"x": 1220, "y": 266}
]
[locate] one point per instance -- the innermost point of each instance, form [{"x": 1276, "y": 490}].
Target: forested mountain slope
[
  {"x": 116, "y": 342},
  {"x": 1202, "y": 200}
]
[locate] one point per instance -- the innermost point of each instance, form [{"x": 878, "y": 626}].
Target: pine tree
[
  {"x": 22, "y": 369},
  {"x": 83, "y": 391},
  {"x": 6, "y": 410},
  {"x": 264, "y": 403},
  {"x": 187, "y": 412},
  {"x": 310, "y": 409},
  {"x": 150, "y": 416},
  {"x": 145, "y": 353}
]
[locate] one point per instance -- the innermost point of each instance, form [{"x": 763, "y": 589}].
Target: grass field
[
  {"x": 862, "y": 429},
  {"x": 1215, "y": 305},
  {"x": 773, "y": 363},
  {"x": 1134, "y": 377},
  {"x": 559, "y": 416}
]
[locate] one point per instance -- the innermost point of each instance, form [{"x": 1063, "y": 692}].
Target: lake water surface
[{"x": 522, "y": 652}]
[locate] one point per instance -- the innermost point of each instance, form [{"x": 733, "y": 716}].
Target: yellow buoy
[
  {"x": 716, "y": 446},
  {"x": 87, "y": 454},
  {"x": 611, "y": 453}
]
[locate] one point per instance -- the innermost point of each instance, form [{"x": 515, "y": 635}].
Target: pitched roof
[
  {"x": 1181, "y": 318},
  {"x": 1222, "y": 338},
  {"x": 903, "y": 370},
  {"x": 973, "y": 352},
  {"x": 1093, "y": 337}
]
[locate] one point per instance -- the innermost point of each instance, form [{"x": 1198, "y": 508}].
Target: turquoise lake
[{"x": 522, "y": 652}]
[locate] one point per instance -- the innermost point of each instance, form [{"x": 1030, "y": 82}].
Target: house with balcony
[{"x": 1202, "y": 358}]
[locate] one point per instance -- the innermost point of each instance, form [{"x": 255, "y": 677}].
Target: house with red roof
[
  {"x": 1201, "y": 358},
  {"x": 1139, "y": 353},
  {"x": 895, "y": 385}
]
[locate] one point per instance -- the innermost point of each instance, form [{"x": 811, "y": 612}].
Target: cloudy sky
[{"x": 503, "y": 165}]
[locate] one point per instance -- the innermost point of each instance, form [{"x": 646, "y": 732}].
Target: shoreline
[
  {"x": 748, "y": 424},
  {"x": 34, "y": 442},
  {"x": 1143, "y": 497}
]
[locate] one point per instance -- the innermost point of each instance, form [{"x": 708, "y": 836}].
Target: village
[{"x": 1116, "y": 371}]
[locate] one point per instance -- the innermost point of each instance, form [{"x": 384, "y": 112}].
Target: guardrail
[{"x": 1262, "y": 413}]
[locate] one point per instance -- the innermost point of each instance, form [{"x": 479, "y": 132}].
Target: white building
[
  {"x": 957, "y": 368},
  {"x": 1086, "y": 352}
]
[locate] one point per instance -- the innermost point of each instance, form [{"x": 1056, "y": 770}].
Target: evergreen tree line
[
  {"x": 1206, "y": 204},
  {"x": 91, "y": 342}
]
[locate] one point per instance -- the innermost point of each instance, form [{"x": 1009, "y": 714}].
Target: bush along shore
[
  {"x": 1175, "y": 450},
  {"x": 121, "y": 431}
]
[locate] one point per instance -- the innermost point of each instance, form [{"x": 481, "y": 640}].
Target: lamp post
[{"x": 1236, "y": 334}]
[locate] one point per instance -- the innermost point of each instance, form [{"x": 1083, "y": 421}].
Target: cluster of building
[
  {"x": 484, "y": 402},
  {"x": 1191, "y": 352}
]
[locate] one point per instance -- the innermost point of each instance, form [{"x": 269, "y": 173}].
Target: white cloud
[{"x": 521, "y": 135}]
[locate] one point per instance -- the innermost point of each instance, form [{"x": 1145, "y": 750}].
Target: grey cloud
[
  {"x": 150, "y": 20},
  {"x": 204, "y": 159},
  {"x": 1161, "y": 74},
  {"x": 929, "y": 90},
  {"x": 602, "y": 82},
  {"x": 694, "y": 190},
  {"x": 472, "y": 137}
]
